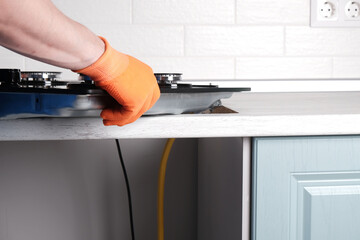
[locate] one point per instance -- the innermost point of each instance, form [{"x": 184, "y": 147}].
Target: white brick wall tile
[
  {"x": 194, "y": 68},
  {"x": 144, "y": 40},
  {"x": 184, "y": 11},
  {"x": 347, "y": 67},
  {"x": 33, "y": 65},
  {"x": 283, "y": 67},
  {"x": 305, "y": 41},
  {"x": 233, "y": 41},
  {"x": 96, "y": 11},
  {"x": 273, "y": 12}
]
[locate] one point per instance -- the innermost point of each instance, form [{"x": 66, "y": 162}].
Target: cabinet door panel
[{"x": 306, "y": 188}]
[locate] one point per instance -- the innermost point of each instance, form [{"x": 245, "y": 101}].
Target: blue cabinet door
[{"x": 306, "y": 188}]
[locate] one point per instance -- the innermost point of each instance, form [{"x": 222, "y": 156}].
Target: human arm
[
  {"x": 37, "y": 29},
  {"x": 48, "y": 35}
]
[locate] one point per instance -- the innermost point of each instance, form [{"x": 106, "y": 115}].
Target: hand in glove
[{"x": 129, "y": 81}]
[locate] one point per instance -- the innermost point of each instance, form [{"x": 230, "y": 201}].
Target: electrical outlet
[
  {"x": 335, "y": 13},
  {"x": 327, "y": 10},
  {"x": 352, "y": 9}
]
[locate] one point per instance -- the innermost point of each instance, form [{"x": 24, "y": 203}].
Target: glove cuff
[{"x": 110, "y": 65}]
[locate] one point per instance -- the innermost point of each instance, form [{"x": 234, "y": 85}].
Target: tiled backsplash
[{"x": 245, "y": 39}]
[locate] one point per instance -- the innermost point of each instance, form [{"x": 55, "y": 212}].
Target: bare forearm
[{"x": 37, "y": 29}]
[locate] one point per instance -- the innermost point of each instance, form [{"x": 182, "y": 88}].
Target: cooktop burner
[{"x": 26, "y": 94}]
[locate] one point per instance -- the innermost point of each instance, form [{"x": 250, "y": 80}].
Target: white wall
[{"x": 217, "y": 38}]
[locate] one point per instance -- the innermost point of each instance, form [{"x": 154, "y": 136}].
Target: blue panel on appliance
[{"x": 34, "y": 103}]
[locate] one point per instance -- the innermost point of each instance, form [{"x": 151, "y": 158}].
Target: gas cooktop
[{"x": 25, "y": 94}]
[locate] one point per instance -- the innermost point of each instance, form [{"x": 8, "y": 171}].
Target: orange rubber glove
[{"x": 130, "y": 82}]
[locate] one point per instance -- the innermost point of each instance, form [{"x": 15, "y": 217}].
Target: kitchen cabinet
[
  {"x": 306, "y": 188},
  {"x": 291, "y": 187}
]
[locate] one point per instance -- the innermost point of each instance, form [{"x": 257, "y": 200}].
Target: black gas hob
[{"x": 25, "y": 94}]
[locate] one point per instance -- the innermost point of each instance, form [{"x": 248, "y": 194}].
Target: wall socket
[{"x": 335, "y": 13}]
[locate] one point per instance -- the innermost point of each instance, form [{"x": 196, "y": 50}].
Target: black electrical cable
[{"x": 127, "y": 188}]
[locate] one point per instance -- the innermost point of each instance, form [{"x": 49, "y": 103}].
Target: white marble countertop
[{"x": 259, "y": 114}]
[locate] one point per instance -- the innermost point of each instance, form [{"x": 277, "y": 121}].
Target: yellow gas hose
[{"x": 161, "y": 185}]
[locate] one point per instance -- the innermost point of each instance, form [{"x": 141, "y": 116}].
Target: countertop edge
[{"x": 181, "y": 126}]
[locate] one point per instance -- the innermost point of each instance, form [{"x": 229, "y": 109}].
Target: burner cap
[
  {"x": 168, "y": 78},
  {"x": 39, "y": 79},
  {"x": 38, "y": 76}
]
